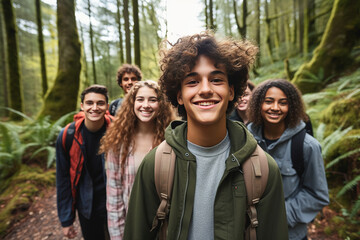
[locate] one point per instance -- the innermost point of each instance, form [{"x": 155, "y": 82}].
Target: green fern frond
[
  {"x": 343, "y": 85},
  {"x": 50, "y": 156},
  {"x": 352, "y": 94},
  {"x": 319, "y": 134},
  {"x": 348, "y": 186},
  {"x": 18, "y": 113},
  {"x": 356, "y": 208},
  {"x": 56, "y": 127},
  {"x": 313, "y": 97},
  {"x": 333, "y": 138},
  {"x": 343, "y": 156}
]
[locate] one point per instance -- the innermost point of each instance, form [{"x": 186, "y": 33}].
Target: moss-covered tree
[
  {"x": 63, "y": 96},
  {"x": 332, "y": 56},
  {"x": 3, "y": 63},
  {"x": 41, "y": 47},
  {"x": 15, "y": 84}
]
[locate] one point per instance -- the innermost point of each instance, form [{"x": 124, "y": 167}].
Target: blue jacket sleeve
[
  {"x": 313, "y": 194},
  {"x": 63, "y": 184}
]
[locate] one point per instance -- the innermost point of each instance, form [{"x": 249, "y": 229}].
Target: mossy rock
[
  {"x": 343, "y": 112},
  {"x": 21, "y": 190}
]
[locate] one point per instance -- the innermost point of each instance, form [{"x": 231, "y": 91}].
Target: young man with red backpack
[
  {"x": 80, "y": 172},
  {"x": 202, "y": 77}
]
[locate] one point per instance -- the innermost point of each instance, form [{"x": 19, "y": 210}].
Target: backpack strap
[
  {"x": 164, "y": 177},
  {"x": 297, "y": 152},
  {"x": 256, "y": 172},
  {"x": 68, "y": 136}
]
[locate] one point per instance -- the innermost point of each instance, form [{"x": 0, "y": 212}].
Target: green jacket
[{"x": 230, "y": 202}]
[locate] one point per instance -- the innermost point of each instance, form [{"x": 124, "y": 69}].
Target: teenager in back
[
  {"x": 277, "y": 114},
  {"x": 203, "y": 77},
  {"x": 138, "y": 127}
]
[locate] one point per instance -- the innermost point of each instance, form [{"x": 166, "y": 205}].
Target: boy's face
[
  {"x": 205, "y": 93},
  {"x": 127, "y": 81},
  {"x": 94, "y": 106}
]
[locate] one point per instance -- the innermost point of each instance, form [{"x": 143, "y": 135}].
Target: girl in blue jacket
[{"x": 277, "y": 113}]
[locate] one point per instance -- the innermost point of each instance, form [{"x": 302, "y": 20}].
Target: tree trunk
[
  {"x": 3, "y": 64},
  {"x": 92, "y": 47},
  {"x": 41, "y": 48},
  {"x": 84, "y": 62},
  {"x": 206, "y": 15},
  {"x": 137, "y": 56},
  {"x": 127, "y": 31},
  {"x": 332, "y": 56},
  {"x": 267, "y": 27},
  {"x": 300, "y": 25},
  {"x": 257, "y": 29},
  {"x": 15, "y": 84},
  {"x": 63, "y": 96},
  {"x": 118, "y": 21},
  {"x": 211, "y": 15}
]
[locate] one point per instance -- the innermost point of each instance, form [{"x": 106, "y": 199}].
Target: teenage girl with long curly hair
[{"x": 138, "y": 127}]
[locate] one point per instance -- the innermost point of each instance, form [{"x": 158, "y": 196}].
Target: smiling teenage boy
[
  {"x": 127, "y": 75},
  {"x": 80, "y": 173},
  {"x": 201, "y": 77}
]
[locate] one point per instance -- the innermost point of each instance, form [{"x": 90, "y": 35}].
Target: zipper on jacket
[{"x": 183, "y": 210}]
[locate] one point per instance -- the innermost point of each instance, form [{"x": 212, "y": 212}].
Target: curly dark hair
[
  {"x": 296, "y": 106},
  {"x": 176, "y": 62},
  {"x": 128, "y": 68},
  {"x": 120, "y": 134}
]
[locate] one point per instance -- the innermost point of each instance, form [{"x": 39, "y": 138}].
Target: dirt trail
[{"x": 42, "y": 223}]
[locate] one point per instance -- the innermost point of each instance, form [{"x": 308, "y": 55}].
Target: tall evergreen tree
[
  {"x": 15, "y": 83},
  {"x": 63, "y": 96}
]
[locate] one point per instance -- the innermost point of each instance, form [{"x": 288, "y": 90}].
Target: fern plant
[{"x": 329, "y": 142}]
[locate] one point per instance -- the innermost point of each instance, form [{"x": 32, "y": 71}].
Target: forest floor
[{"x": 41, "y": 222}]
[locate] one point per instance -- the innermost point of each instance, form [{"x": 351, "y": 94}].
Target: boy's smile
[{"x": 205, "y": 93}]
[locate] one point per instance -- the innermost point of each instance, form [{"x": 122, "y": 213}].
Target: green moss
[
  {"x": 20, "y": 192},
  {"x": 343, "y": 112}
]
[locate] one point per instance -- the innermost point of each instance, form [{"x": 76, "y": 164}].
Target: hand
[{"x": 69, "y": 232}]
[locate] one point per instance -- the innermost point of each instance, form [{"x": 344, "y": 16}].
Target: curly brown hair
[
  {"x": 128, "y": 68},
  {"x": 120, "y": 135},
  {"x": 176, "y": 62},
  {"x": 296, "y": 106}
]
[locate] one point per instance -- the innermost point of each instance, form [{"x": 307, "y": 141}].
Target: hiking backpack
[{"x": 255, "y": 170}]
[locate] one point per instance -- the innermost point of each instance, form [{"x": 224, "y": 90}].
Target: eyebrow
[{"x": 212, "y": 73}]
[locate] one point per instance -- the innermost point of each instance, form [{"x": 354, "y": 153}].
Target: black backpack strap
[
  {"x": 297, "y": 152},
  {"x": 69, "y": 132}
]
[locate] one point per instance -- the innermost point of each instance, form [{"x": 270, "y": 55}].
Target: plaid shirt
[{"x": 117, "y": 193}]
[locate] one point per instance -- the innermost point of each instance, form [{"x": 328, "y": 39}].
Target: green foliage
[{"x": 37, "y": 135}]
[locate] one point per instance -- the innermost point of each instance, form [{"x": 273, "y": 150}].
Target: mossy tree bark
[
  {"x": 241, "y": 29},
  {"x": 137, "y": 56},
  {"x": 3, "y": 63},
  {"x": 41, "y": 47},
  {"x": 62, "y": 98},
  {"x": 332, "y": 56},
  {"x": 16, "y": 97}
]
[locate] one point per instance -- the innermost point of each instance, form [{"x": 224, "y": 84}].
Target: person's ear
[
  {"x": 231, "y": 93},
  {"x": 82, "y": 107},
  {"x": 179, "y": 98}
]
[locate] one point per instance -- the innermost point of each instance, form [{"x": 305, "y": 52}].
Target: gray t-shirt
[{"x": 210, "y": 167}]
